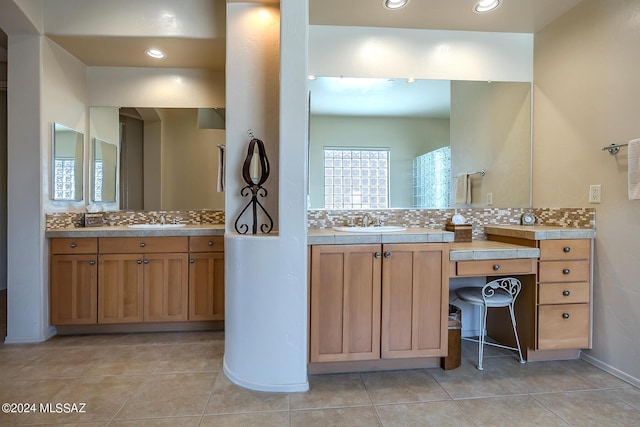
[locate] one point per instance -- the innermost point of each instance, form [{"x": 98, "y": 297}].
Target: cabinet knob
[
  {"x": 146, "y": 261},
  {"x": 210, "y": 243},
  {"x": 73, "y": 245},
  {"x": 142, "y": 244},
  {"x": 92, "y": 262},
  {"x": 566, "y": 249},
  {"x": 387, "y": 254},
  {"x": 496, "y": 267},
  {"x": 565, "y": 315},
  {"x": 566, "y": 271},
  {"x": 139, "y": 261},
  {"x": 566, "y": 293},
  {"x": 192, "y": 261},
  {"x": 377, "y": 255}
]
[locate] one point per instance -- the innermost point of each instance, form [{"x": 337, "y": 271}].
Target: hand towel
[
  {"x": 463, "y": 189},
  {"x": 221, "y": 167},
  {"x": 634, "y": 169}
]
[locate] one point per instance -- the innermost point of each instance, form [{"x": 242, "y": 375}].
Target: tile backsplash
[
  {"x": 59, "y": 220},
  {"x": 437, "y": 218}
]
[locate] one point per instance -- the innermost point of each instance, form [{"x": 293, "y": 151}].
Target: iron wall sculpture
[{"x": 254, "y": 188}]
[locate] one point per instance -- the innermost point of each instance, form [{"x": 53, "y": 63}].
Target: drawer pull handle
[
  {"x": 139, "y": 261},
  {"x": 146, "y": 261},
  {"x": 566, "y": 293},
  {"x": 142, "y": 245},
  {"x": 92, "y": 262},
  {"x": 192, "y": 261},
  {"x": 210, "y": 243},
  {"x": 566, "y": 271},
  {"x": 565, "y": 315},
  {"x": 73, "y": 245},
  {"x": 496, "y": 267},
  {"x": 387, "y": 254},
  {"x": 377, "y": 255},
  {"x": 566, "y": 249}
]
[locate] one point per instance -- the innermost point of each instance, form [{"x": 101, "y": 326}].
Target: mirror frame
[{"x": 79, "y": 184}]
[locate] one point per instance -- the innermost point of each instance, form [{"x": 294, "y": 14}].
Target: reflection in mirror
[
  {"x": 432, "y": 130},
  {"x": 105, "y": 171},
  {"x": 68, "y": 157}
]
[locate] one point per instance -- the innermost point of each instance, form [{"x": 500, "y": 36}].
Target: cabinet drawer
[
  {"x": 563, "y": 326},
  {"x": 206, "y": 244},
  {"x": 496, "y": 267},
  {"x": 127, "y": 245},
  {"x": 565, "y": 249},
  {"x": 563, "y": 293},
  {"x": 564, "y": 271},
  {"x": 84, "y": 245}
]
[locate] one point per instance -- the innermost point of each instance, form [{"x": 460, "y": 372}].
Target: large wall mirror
[
  {"x": 67, "y": 167},
  {"x": 104, "y": 176},
  {"x": 425, "y": 133}
]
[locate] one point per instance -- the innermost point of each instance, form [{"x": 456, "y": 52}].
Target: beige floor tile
[
  {"x": 129, "y": 360},
  {"x": 502, "y": 411},
  {"x": 630, "y": 395},
  {"x": 262, "y": 419},
  {"x": 540, "y": 377},
  {"x": 441, "y": 414},
  {"x": 403, "y": 386},
  {"x": 363, "y": 416},
  {"x": 192, "y": 357},
  {"x": 158, "y": 422},
  {"x": 200, "y": 337},
  {"x": 590, "y": 408},
  {"x": 592, "y": 374},
  {"x": 57, "y": 363},
  {"x": 169, "y": 395},
  {"x": 26, "y": 391},
  {"x": 228, "y": 398},
  {"x": 102, "y": 398},
  {"x": 332, "y": 391},
  {"x": 469, "y": 382}
]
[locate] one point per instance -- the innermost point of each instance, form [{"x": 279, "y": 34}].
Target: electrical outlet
[
  {"x": 489, "y": 199},
  {"x": 595, "y": 194}
]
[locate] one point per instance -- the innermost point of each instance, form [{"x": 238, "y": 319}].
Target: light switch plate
[{"x": 595, "y": 194}]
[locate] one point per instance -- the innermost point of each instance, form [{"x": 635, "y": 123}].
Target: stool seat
[{"x": 497, "y": 293}]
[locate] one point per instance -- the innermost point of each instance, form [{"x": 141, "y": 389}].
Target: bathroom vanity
[{"x": 109, "y": 276}]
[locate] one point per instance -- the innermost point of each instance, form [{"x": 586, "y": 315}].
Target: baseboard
[
  {"x": 610, "y": 369},
  {"x": 271, "y": 388}
]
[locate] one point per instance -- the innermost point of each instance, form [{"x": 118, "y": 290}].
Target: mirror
[
  {"x": 68, "y": 159},
  {"x": 440, "y": 128},
  {"x": 105, "y": 171}
]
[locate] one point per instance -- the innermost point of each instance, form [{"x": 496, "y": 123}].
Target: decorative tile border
[
  {"x": 56, "y": 221},
  {"x": 437, "y": 218}
]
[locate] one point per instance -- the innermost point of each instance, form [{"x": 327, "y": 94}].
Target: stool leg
[
  {"x": 483, "y": 323},
  {"x": 515, "y": 332}
]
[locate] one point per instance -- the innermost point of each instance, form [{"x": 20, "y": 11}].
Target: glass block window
[
  {"x": 64, "y": 183},
  {"x": 432, "y": 179},
  {"x": 97, "y": 183},
  {"x": 356, "y": 178}
]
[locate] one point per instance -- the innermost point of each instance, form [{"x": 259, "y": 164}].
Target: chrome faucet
[
  {"x": 163, "y": 220},
  {"x": 366, "y": 219}
]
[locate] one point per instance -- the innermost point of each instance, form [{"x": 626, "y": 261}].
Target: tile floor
[{"x": 175, "y": 379}]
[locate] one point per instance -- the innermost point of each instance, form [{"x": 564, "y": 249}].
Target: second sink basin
[
  {"x": 381, "y": 229},
  {"x": 156, "y": 226}
]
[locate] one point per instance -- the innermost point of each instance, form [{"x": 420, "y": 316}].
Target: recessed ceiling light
[
  {"x": 411, "y": 80},
  {"x": 484, "y": 6},
  {"x": 155, "y": 53},
  {"x": 395, "y": 4},
  {"x": 311, "y": 77}
]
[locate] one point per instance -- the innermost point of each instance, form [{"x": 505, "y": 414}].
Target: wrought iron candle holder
[{"x": 255, "y": 171}]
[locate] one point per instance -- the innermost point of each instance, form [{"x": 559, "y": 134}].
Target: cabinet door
[
  {"x": 345, "y": 303},
  {"x": 120, "y": 288},
  {"x": 74, "y": 289},
  {"x": 415, "y": 294},
  {"x": 206, "y": 286},
  {"x": 165, "y": 287}
]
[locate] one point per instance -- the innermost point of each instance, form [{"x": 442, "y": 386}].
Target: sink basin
[
  {"x": 156, "y": 226},
  {"x": 382, "y": 229}
]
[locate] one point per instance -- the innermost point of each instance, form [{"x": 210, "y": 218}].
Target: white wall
[
  {"x": 587, "y": 88},
  {"x": 406, "y": 137}
]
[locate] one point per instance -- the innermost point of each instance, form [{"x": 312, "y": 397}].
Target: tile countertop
[
  {"x": 124, "y": 231},
  {"x": 540, "y": 232},
  {"x": 484, "y": 249},
  {"x": 329, "y": 236}
]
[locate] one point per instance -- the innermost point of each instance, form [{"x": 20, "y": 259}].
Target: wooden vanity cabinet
[
  {"x": 74, "y": 281},
  {"x": 206, "y": 278},
  {"x": 142, "y": 279},
  {"x": 378, "y": 301}
]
